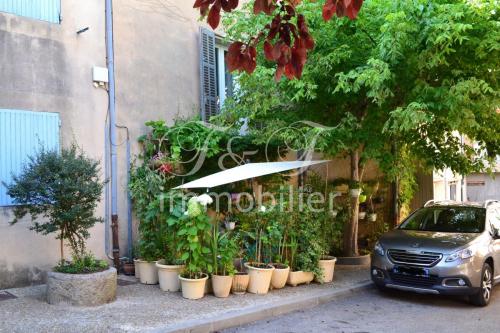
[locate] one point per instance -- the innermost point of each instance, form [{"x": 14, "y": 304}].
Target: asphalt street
[{"x": 394, "y": 311}]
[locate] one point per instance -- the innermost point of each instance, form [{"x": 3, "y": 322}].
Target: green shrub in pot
[
  {"x": 224, "y": 249},
  {"x": 193, "y": 243}
]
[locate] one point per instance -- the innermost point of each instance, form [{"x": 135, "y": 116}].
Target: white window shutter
[{"x": 208, "y": 75}]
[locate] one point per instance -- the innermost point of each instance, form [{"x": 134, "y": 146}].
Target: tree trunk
[
  {"x": 62, "y": 248},
  {"x": 351, "y": 231}
]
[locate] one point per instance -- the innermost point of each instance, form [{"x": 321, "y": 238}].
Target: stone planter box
[{"x": 82, "y": 289}]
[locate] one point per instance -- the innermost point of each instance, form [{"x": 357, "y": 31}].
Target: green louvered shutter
[{"x": 208, "y": 73}]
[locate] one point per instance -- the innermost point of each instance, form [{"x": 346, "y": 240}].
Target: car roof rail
[
  {"x": 430, "y": 202},
  {"x": 487, "y": 203}
]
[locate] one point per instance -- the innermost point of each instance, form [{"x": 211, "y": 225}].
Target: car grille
[
  {"x": 422, "y": 259},
  {"x": 413, "y": 280}
]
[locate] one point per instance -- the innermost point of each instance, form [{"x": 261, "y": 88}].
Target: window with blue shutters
[
  {"x": 44, "y": 10},
  {"x": 22, "y": 133}
]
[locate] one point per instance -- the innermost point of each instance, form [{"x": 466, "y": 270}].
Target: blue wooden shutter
[
  {"x": 21, "y": 135},
  {"x": 208, "y": 73},
  {"x": 45, "y": 10}
]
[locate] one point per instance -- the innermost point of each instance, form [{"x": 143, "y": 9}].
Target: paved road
[{"x": 394, "y": 311}]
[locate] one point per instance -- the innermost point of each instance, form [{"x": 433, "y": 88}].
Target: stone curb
[{"x": 256, "y": 313}]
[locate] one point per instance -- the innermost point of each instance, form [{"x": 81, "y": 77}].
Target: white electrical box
[{"x": 100, "y": 74}]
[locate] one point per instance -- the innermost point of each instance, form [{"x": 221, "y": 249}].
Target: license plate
[{"x": 412, "y": 271}]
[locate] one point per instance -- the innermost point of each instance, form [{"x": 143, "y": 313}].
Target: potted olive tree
[
  {"x": 60, "y": 191},
  {"x": 193, "y": 238}
]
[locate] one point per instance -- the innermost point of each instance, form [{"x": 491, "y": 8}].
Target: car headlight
[
  {"x": 379, "y": 249},
  {"x": 461, "y": 254}
]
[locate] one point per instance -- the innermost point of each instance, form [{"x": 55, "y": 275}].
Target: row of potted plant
[{"x": 277, "y": 246}]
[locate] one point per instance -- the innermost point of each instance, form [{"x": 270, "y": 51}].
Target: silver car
[{"x": 442, "y": 248}]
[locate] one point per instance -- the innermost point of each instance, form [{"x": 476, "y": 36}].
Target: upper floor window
[
  {"x": 224, "y": 77},
  {"x": 216, "y": 83},
  {"x": 44, "y": 10}
]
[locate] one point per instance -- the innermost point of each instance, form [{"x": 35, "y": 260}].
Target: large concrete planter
[
  {"x": 327, "y": 265},
  {"x": 354, "y": 261},
  {"x": 299, "y": 277},
  {"x": 168, "y": 276},
  {"x": 260, "y": 277},
  {"x": 148, "y": 272},
  {"x": 82, "y": 289}
]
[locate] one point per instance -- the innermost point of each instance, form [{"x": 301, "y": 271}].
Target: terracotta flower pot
[
  {"x": 327, "y": 265},
  {"x": 136, "y": 267},
  {"x": 240, "y": 283},
  {"x": 221, "y": 285},
  {"x": 193, "y": 288},
  {"x": 168, "y": 276},
  {"x": 208, "y": 286},
  {"x": 148, "y": 272},
  {"x": 299, "y": 277},
  {"x": 280, "y": 275},
  {"x": 260, "y": 277},
  {"x": 129, "y": 268}
]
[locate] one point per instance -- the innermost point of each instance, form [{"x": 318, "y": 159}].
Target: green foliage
[
  {"x": 224, "y": 249},
  {"x": 63, "y": 189},
  {"x": 415, "y": 73},
  {"x": 284, "y": 234},
  {"x": 84, "y": 264}
]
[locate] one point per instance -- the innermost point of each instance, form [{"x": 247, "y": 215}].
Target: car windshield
[{"x": 446, "y": 219}]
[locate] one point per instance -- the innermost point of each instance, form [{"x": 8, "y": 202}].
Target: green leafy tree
[
  {"x": 60, "y": 191},
  {"x": 401, "y": 85}
]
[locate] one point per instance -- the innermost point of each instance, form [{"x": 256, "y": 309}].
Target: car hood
[{"x": 442, "y": 242}]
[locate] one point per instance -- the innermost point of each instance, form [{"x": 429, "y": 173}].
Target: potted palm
[
  {"x": 223, "y": 251},
  {"x": 260, "y": 273},
  {"x": 65, "y": 188},
  {"x": 193, "y": 236}
]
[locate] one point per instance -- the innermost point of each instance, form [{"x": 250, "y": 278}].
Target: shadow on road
[{"x": 427, "y": 299}]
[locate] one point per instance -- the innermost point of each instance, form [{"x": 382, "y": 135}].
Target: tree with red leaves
[{"x": 286, "y": 38}]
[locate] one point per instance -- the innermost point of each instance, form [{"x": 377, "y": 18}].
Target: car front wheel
[{"x": 483, "y": 296}]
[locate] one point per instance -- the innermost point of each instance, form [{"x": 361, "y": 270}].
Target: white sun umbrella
[{"x": 247, "y": 171}]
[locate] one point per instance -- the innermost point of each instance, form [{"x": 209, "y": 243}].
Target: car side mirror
[{"x": 496, "y": 233}]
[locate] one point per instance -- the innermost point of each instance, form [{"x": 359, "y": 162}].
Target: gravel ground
[
  {"x": 140, "y": 308},
  {"x": 388, "y": 312}
]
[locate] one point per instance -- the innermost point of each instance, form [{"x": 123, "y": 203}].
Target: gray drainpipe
[
  {"x": 112, "y": 130},
  {"x": 129, "y": 198}
]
